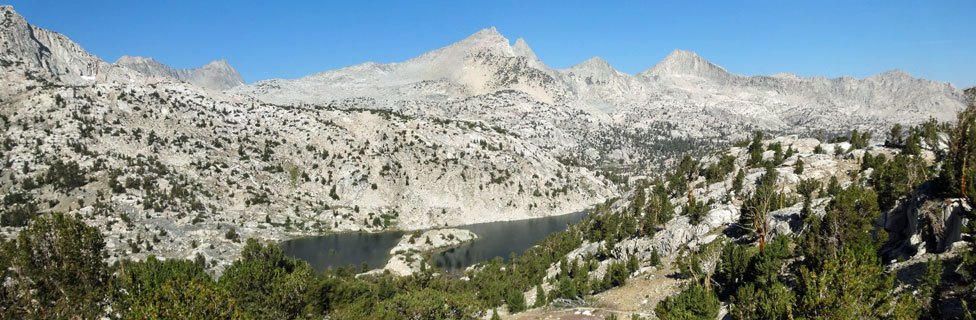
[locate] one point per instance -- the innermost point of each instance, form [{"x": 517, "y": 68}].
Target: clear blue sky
[{"x": 287, "y": 39}]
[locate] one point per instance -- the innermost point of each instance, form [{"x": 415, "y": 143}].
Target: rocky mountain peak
[
  {"x": 686, "y": 63},
  {"x": 896, "y": 74},
  {"x": 486, "y": 40},
  {"x": 146, "y": 66},
  {"x": 222, "y": 63},
  {"x": 522, "y": 49},
  {"x": 486, "y": 33},
  {"x": 593, "y": 64},
  {"x": 785, "y": 75},
  {"x": 488, "y": 37}
]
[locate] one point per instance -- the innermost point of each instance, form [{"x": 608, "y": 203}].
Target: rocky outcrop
[
  {"x": 676, "y": 234},
  {"x": 723, "y": 215},
  {"x": 44, "y": 50},
  {"x": 789, "y": 220},
  {"x": 924, "y": 222}
]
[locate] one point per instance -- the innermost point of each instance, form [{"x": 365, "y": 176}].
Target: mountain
[
  {"x": 480, "y": 64},
  {"x": 682, "y": 63},
  {"x": 217, "y": 75},
  {"x": 602, "y": 88},
  {"x": 680, "y": 99}
]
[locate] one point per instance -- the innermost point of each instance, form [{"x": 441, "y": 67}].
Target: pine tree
[
  {"x": 894, "y": 136},
  {"x": 540, "y": 296},
  {"x": 515, "y": 300},
  {"x": 655, "y": 258},
  {"x": 739, "y": 179}
]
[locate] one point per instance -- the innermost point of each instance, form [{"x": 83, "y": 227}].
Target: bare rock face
[
  {"x": 217, "y": 75},
  {"x": 36, "y": 48},
  {"x": 682, "y": 63},
  {"x": 789, "y": 220},
  {"x": 54, "y": 55},
  {"x": 676, "y": 234},
  {"x": 924, "y": 222}
]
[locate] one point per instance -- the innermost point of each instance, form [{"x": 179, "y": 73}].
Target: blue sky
[{"x": 935, "y": 40}]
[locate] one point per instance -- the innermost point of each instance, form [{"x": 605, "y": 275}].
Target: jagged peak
[
  {"x": 8, "y": 8},
  {"x": 522, "y": 49}
]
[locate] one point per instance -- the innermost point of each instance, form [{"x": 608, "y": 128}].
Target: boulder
[
  {"x": 721, "y": 216},
  {"x": 923, "y": 222},
  {"x": 789, "y": 220}
]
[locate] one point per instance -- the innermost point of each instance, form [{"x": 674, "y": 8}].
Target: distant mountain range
[
  {"x": 485, "y": 62},
  {"x": 216, "y": 75},
  {"x": 485, "y": 78},
  {"x": 53, "y": 52}
]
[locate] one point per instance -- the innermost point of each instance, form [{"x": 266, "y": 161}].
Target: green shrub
[{"x": 694, "y": 302}]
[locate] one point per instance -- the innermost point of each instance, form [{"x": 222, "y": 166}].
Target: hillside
[{"x": 169, "y": 168}]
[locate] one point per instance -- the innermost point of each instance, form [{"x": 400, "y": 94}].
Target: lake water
[
  {"x": 343, "y": 249},
  {"x": 500, "y": 239},
  {"x": 495, "y": 239}
]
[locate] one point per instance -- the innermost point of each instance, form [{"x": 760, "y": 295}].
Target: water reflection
[
  {"x": 501, "y": 239},
  {"x": 343, "y": 249}
]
